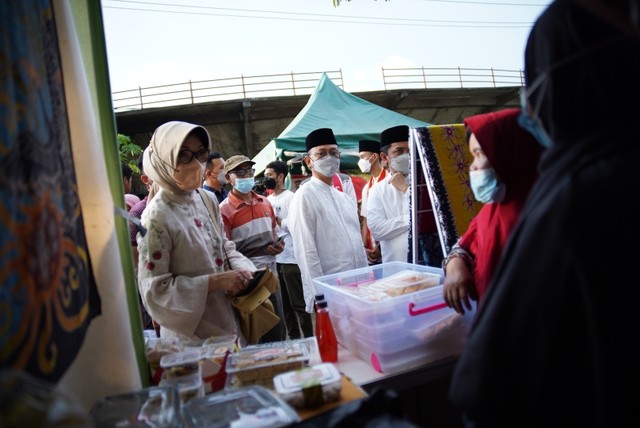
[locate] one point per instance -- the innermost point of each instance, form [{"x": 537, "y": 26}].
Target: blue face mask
[
  {"x": 485, "y": 186},
  {"x": 531, "y": 122},
  {"x": 244, "y": 185}
]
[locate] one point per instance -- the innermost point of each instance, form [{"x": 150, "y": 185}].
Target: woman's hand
[
  {"x": 459, "y": 289},
  {"x": 231, "y": 281}
]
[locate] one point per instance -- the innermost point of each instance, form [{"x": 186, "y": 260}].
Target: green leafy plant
[{"x": 129, "y": 152}]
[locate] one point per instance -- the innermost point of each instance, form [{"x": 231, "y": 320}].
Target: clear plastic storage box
[
  {"x": 259, "y": 364},
  {"x": 188, "y": 387},
  {"x": 310, "y": 386},
  {"x": 156, "y": 406},
  {"x": 250, "y": 407},
  {"x": 393, "y": 315}
]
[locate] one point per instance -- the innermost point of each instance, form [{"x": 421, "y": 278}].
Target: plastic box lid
[
  {"x": 157, "y": 347},
  {"x": 188, "y": 356},
  {"x": 249, "y": 406},
  {"x": 182, "y": 363},
  {"x": 381, "y": 283},
  {"x": 266, "y": 355},
  {"x": 157, "y": 406}
]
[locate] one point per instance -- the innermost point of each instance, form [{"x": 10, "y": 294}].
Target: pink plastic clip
[{"x": 415, "y": 312}]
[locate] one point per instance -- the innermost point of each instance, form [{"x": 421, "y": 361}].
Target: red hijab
[{"x": 514, "y": 155}]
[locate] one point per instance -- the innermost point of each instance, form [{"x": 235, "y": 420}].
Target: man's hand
[
  {"x": 275, "y": 248},
  {"x": 373, "y": 255},
  {"x": 399, "y": 181}
]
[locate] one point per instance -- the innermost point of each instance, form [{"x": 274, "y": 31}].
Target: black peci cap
[
  {"x": 394, "y": 135},
  {"x": 320, "y": 137},
  {"x": 369, "y": 146}
]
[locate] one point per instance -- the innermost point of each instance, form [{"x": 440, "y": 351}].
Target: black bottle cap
[{"x": 322, "y": 304}]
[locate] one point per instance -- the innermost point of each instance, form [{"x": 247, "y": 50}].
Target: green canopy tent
[{"x": 351, "y": 118}]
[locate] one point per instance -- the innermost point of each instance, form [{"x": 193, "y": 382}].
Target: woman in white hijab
[{"x": 183, "y": 274}]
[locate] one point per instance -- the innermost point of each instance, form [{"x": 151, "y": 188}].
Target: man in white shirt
[
  {"x": 342, "y": 182},
  {"x": 298, "y": 321},
  {"x": 388, "y": 206},
  {"x": 388, "y": 201},
  {"x": 369, "y": 152},
  {"x": 323, "y": 221}
]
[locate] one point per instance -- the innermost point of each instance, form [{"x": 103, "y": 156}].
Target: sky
[{"x": 162, "y": 42}]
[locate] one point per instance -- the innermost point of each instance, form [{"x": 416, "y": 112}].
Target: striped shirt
[{"x": 250, "y": 226}]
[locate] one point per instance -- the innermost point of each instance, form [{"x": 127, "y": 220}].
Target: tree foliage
[{"x": 129, "y": 152}]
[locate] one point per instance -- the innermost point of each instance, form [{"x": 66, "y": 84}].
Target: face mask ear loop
[
  {"x": 153, "y": 157},
  {"x": 543, "y": 89},
  {"x": 540, "y": 80}
]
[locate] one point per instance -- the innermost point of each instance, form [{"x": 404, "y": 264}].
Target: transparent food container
[
  {"x": 251, "y": 407},
  {"x": 310, "y": 386},
  {"x": 259, "y": 364},
  {"x": 157, "y": 406},
  {"x": 183, "y": 363}
]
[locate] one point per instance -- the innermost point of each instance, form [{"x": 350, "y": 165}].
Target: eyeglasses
[
  {"x": 321, "y": 154},
  {"x": 185, "y": 156},
  {"x": 242, "y": 172}
]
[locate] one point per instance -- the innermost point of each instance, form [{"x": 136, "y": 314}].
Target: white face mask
[
  {"x": 221, "y": 178},
  {"x": 365, "y": 165},
  {"x": 401, "y": 164},
  {"x": 327, "y": 166}
]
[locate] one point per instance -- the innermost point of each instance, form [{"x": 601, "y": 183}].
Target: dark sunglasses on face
[{"x": 185, "y": 156}]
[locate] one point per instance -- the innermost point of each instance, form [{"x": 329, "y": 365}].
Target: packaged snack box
[
  {"x": 310, "y": 386},
  {"x": 259, "y": 364}
]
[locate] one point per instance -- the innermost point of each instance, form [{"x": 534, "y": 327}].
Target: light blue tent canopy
[{"x": 351, "y": 118}]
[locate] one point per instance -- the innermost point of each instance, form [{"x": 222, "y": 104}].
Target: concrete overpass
[{"x": 247, "y": 125}]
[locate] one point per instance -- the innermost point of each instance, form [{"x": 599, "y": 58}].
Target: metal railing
[
  {"x": 288, "y": 84},
  {"x": 430, "y": 78},
  {"x": 233, "y": 88}
]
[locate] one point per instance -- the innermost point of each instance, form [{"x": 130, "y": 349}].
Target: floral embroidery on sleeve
[{"x": 156, "y": 255}]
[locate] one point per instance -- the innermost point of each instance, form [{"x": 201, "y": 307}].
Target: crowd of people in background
[
  {"x": 319, "y": 229},
  {"x": 547, "y": 260}
]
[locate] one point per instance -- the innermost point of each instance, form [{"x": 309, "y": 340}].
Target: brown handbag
[{"x": 255, "y": 310}]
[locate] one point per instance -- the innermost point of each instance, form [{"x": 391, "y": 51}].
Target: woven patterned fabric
[
  {"x": 48, "y": 295},
  {"x": 444, "y": 157}
]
